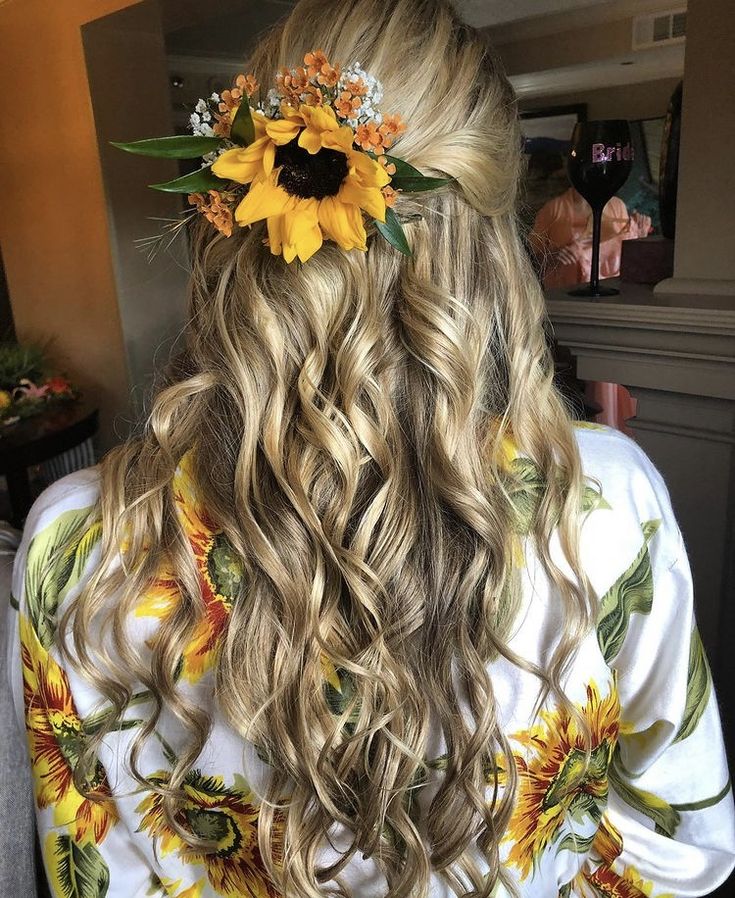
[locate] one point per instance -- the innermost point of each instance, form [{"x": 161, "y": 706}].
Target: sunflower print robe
[{"x": 652, "y": 817}]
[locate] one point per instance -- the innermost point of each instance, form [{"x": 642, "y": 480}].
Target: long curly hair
[{"x": 346, "y": 420}]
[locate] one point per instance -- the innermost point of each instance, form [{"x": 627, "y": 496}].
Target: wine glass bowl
[{"x": 599, "y": 162}]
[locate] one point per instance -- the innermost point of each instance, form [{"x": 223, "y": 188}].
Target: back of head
[{"x": 350, "y": 425}]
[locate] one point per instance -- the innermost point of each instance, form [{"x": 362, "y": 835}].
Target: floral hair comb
[{"x": 309, "y": 158}]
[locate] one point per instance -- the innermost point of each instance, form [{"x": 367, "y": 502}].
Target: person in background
[{"x": 561, "y": 239}]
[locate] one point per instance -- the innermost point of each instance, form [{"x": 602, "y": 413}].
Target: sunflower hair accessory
[{"x": 309, "y": 158}]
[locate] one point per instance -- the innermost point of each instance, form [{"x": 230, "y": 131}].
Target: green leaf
[
  {"x": 411, "y": 180},
  {"x": 75, "y": 871},
  {"x": 699, "y": 685},
  {"x": 631, "y": 593},
  {"x": 664, "y": 816},
  {"x": 526, "y": 491},
  {"x": 46, "y": 575},
  {"x": 196, "y": 182},
  {"x": 705, "y": 802},
  {"x": 577, "y": 844},
  {"x": 593, "y": 499},
  {"x": 182, "y": 146},
  {"x": 14, "y": 603},
  {"x": 242, "y": 130},
  {"x": 393, "y": 232}
]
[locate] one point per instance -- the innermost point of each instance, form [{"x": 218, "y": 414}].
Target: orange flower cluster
[
  {"x": 376, "y": 138},
  {"x": 216, "y": 207},
  {"x": 296, "y": 87},
  {"x": 319, "y": 67},
  {"x": 245, "y": 86}
]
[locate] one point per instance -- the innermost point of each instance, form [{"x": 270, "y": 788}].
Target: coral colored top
[
  {"x": 653, "y": 816},
  {"x": 563, "y": 222}
]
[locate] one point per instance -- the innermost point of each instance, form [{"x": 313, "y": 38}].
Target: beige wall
[
  {"x": 705, "y": 221},
  {"x": 53, "y": 226},
  {"x": 570, "y": 46},
  {"x": 633, "y": 101},
  {"x": 63, "y": 279}
]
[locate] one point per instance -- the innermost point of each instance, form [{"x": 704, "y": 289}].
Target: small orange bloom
[
  {"x": 231, "y": 99},
  {"x": 216, "y": 208},
  {"x": 313, "y": 96},
  {"x": 314, "y": 62},
  {"x": 357, "y": 87},
  {"x": 222, "y": 124},
  {"x": 346, "y": 105},
  {"x": 390, "y": 195},
  {"x": 391, "y": 128},
  {"x": 246, "y": 84},
  {"x": 292, "y": 84},
  {"x": 388, "y": 166},
  {"x": 368, "y": 137}
]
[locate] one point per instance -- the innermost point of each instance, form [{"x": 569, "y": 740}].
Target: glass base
[{"x": 589, "y": 290}]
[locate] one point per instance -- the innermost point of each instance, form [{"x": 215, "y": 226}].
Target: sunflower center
[{"x": 308, "y": 175}]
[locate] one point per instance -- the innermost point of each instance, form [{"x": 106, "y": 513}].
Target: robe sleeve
[
  {"x": 669, "y": 828},
  {"x": 86, "y": 848}
]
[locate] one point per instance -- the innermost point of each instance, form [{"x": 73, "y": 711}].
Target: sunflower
[
  {"x": 219, "y": 576},
  {"x": 55, "y": 741},
  {"x": 306, "y": 180},
  {"x": 606, "y": 883},
  {"x": 226, "y": 816},
  {"x": 552, "y": 783}
]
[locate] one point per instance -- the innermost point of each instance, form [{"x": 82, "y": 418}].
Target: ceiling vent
[{"x": 659, "y": 29}]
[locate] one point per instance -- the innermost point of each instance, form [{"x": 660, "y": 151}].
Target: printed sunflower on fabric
[{"x": 310, "y": 159}]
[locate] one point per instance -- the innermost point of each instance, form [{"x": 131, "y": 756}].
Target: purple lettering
[{"x": 598, "y": 152}]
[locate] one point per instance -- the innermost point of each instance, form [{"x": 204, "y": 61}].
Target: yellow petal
[
  {"x": 241, "y": 164},
  {"x": 259, "y": 121},
  {"x": 302, "y": 235},
  {"x": 262, "y": 200},
  {"x": 342, "y": 223},
  {"x": 288, "y": 111},
  {"x": 368, "y": 198},
  {"x": 275, "y": 234},
  {"x": 369, "y": 172},
  {"x": 322, "y": 118},
  {"x": 341, "y": 139},
  {"x": 310, "y": 140},
  {"x": 269, "y": 157},
  {"x": 319, "y": 119},
  {"x": 282, "y": 131}
]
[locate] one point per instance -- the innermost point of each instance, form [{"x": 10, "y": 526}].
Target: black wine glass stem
[{"x": 596, "y": 232}]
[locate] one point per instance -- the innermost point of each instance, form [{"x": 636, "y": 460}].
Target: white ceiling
[{"x": 482, "y": 13}]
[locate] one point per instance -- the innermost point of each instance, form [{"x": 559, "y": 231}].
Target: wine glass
[{"x": 599, "y": 162}]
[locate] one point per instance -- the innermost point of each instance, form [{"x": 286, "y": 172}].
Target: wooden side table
[{"x": 37, "y": 439}]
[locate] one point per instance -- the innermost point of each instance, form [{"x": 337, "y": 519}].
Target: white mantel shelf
[
  {"x": 648, "y": 340},
  {"x": 677, "y": 357}
]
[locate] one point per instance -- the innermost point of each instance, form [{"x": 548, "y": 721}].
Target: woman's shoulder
[
  {"x": 634, "y": 494},
  {"x": 65, "y": 510}
]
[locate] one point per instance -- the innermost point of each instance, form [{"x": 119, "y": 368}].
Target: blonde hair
[{"x": 346, "y": 419}]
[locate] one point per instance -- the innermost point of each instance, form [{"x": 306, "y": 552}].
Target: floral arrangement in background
[
  {"x": 27, "y": 387},
  {"x": 310, "y": 158}
]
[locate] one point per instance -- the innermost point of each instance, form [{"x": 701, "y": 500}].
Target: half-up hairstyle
[{"x": 346, "y": 422}]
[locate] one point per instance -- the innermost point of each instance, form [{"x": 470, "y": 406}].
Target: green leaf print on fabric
[
  {"x": 576, "y": 844},
  {"x": 699, "y": 686},
  {"x": 75, "y": 871},
  {"x": 704, "y": 803},
  {"x": 632, "y": 593},
  {"x": 527, "y": 489},
  {"x": 46, "y": 585},
  {"x": 665, "y": 818}
]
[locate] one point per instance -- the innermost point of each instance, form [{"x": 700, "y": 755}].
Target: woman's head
[{"x": 347, "y": 423}]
